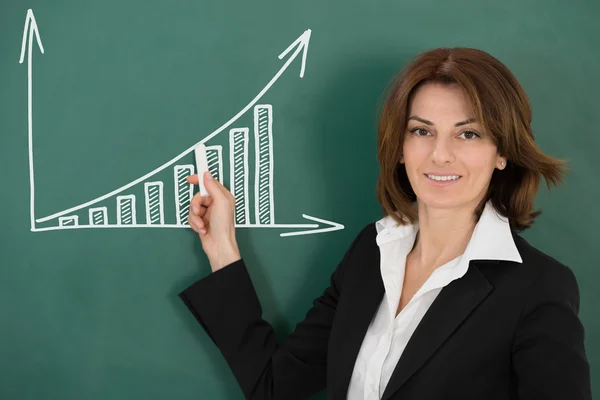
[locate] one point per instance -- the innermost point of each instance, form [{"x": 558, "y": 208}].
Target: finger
[
  {"x": 200, "y": 207},
  {"x": 199, "y": 203},
  {"x": 196, "y": 223},
  {"x": 194, "y": 219},
  {"x": 202, "y": 232},
  {"x": 206, "y": 201},
  {"x": 201, "y": 227},
  {"x": 192, "y": 224},
  {"x": 213, "y": 187},
  {"x": 206, "y": 218},
  {"x": 193, "y": 179},
  {"x": 195, "y": 205}
]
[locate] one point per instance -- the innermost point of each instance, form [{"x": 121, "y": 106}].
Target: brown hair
[{"x": 499, "y": 103}]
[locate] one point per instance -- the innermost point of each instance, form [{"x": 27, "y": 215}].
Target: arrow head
[
  {"x": 300, "y": 44},
  {"x": 30, "y": 29},
  {"x": 331, "y": 226}
]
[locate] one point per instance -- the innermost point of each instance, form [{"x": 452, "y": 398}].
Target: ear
[{"x": 501, "y": 163}]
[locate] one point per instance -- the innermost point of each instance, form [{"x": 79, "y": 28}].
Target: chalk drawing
[{"x": 125, "y": 203}]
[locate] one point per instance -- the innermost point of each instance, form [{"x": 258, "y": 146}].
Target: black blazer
[{"x": 504, "y": 330}]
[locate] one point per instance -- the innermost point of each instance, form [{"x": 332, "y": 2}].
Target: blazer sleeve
[
  {"x": 548, "y": 352},
  {"x": 226, "y": 305}
]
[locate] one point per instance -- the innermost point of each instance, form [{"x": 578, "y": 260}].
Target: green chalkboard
[{"x": 95, "y": 138}]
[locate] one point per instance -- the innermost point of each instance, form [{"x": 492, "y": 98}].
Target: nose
[{"x": 442, "y": 151}]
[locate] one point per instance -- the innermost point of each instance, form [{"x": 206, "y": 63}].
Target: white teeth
[{"x": 443, "y": 178}]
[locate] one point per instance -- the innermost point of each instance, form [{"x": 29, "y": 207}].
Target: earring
[{"x": 502, "y": 163}]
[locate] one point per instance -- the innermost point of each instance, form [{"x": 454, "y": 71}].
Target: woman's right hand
[{"x": 212, "y": 217}]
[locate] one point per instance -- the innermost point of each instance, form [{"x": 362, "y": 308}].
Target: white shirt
[{"x": 388, "y": 334}]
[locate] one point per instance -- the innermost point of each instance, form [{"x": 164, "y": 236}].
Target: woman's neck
[{"x": 443, "y": 235}]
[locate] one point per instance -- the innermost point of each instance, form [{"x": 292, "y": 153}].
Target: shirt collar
[{"x": 491, "y": 240}]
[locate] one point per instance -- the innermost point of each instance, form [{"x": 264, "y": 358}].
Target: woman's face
[{"x": 449, "y": 159}]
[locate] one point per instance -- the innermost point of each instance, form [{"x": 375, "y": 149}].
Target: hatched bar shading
[
  {"x": 238, "y": 147},
  {"x": 214, "y": 159},
  {"x": 183, "y": 192},
  {"x": 98, "y": 216},
  {"x": 263, "y": 132},
  {"x": 126, "y": 210},
  {"x": 154, "y": 203},
  {"x": 70, "y": 220}
]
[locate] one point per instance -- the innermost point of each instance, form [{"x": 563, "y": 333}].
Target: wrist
[{"x": 225, "y": 256}]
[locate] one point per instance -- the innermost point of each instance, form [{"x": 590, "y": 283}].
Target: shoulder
[
  {"x": 363, "y": 250},
  {"x": 365, "y": 240},
  {"x": 539, "y": 263},
  {"x": 544, "y": 276}
]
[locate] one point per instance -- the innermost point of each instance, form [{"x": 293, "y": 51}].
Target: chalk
[{"x": 201, "y": 166}]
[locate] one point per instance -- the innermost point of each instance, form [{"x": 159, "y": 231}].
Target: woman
[{"x": 441, "y": 298}]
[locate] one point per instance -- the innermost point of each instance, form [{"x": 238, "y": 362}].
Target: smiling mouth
[{"x": 443, "y": 178}]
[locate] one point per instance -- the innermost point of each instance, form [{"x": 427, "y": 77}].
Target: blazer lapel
[
  {"x": 452, "y": 306},
  {"x": 360, "y": 309}
]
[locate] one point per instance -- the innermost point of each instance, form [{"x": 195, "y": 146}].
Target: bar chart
[{"x": 156, "y": 195}]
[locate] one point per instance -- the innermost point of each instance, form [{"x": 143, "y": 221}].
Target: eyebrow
[{"x": 427, "y": 122}]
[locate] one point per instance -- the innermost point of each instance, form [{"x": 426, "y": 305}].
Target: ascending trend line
[{"x": 300, "y": 45}]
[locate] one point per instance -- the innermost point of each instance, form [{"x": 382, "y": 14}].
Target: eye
[
  {"x": 419, "y": 131},
  {"x": 470, "y": 135}
]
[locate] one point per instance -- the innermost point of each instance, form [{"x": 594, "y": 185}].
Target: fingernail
[{"x": 209, "y": 175}]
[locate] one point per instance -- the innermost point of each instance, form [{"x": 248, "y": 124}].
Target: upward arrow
[
  {"x": 30, "y": 29},
  {"x": 302, "y": 45}
]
